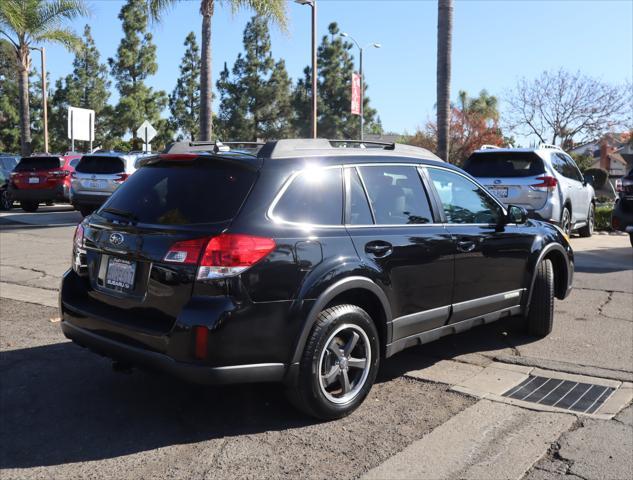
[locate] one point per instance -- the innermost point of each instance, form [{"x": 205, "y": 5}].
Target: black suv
[
  {"x": 304, "y": 263},
  {"x": 622, "y": 217}
]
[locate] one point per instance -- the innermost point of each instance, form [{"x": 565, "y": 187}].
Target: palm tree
[
  {"x": 29, "y": 22},
  {"x": 444, "y": 37},
  {"x": 274, "y": 10}
]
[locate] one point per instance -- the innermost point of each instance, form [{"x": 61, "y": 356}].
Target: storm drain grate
[{"x": 565, "y": 394}]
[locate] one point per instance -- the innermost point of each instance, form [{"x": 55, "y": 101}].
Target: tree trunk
[
  {"x": 444, "y": 34},
  {"x": 25, "y": 113},
  {"x": 206, "y": 96}
]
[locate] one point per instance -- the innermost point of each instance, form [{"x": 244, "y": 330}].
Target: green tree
[
  {"x": 135, "y": 61},
  {"x": 184, "y": 102},
  {"x": 255, "y": 101},
  {"x": 270, "y": 10},
  {"x": 336, "y": 66},
  {"x": 9, "y": 97},
  {"x": 444, "y": 40},
  {"x": 86, "y": 87},
  {"x": 26, "y": 23},
  {"x": 302, "y": 105}
]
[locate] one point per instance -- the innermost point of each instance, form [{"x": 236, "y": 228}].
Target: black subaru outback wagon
[{"x": 303, "y": 263}]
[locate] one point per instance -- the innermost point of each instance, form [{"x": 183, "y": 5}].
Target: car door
[
  {"x": 391, "y": 222},
  {"x": 490, "y": 256}
]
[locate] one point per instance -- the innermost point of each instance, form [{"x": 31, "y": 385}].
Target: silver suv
[
  {"x": 96, "y": 176},
  {"x": 544, "y": 180}
]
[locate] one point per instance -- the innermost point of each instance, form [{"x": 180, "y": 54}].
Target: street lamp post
[
  {"x": 362, "y": 80},
  {"x": 313, "y": 6},
  {"x": 42, "y": 51}
]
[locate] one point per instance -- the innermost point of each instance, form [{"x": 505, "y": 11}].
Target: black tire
[
  {"x": 29, "y": 205},
  {"x": 587, "y": 230},
  {"x": 5, "y": 200},
  {"x": 565, "y": 221},
  {"x": 310, "y": 394},
  {"x": 631, "y": 238},
  {"x": 85, "y": 211},
  {"x": 540, "y": 317}
]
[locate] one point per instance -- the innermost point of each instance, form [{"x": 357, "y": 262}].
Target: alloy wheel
[
  {"x": 344, "y": 363},
  {"x": 565, "y": 223}
]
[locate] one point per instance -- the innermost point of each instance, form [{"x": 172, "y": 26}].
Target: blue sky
[{"x": 494, "y": 44}]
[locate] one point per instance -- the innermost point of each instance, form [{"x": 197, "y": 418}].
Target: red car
[{"x": 42, "y": 179}]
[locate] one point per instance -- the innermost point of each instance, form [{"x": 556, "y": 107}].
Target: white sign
[
  {"x": 146, "y": 132},
  {"x": 81, "y": 124}
]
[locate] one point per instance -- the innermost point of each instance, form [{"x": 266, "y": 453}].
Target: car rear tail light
[
  {"x": 121, "y": 177},
  {"x": 79, "y": 264},
  {"x": 187, "y": 252},
  {"x": 78, "y": 240},
  {"x": 201, "y": 335},
  {"x": 223, "y": 256},
  {"x": 618, "y": 185},
  {"x": 615, "y": 223},
  {"x": 546, "y": 183}
]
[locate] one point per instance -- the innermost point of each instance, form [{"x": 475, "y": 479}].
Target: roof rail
[
  {"x": 211, "y": 147},
  {"x": 547, "y": 145},
  {"x": 489, "y": 147}
]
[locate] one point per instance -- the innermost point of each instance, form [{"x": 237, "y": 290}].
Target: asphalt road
[{"x": 65, "y": 414}]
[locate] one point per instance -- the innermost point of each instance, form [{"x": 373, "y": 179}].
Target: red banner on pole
[{"x": 355, "y": 94}]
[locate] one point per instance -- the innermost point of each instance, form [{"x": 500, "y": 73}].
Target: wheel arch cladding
[
  {"x": 359, "y": 291},
  {"x": 556, "y": 254}
]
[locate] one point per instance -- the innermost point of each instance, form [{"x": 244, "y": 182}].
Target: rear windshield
[
  {"x": 100, "y": 164},
  {"x": 30, "y": 164},
  {"x": 183, "y": 193},
  {"x": 504, "y": 164}
]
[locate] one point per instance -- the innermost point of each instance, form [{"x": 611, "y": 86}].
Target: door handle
[
  {"x": 379, "y": 249},
  {"x": 466, "y": 246}
]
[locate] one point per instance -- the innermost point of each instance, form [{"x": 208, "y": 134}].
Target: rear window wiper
[{"x": 121, "y": 213}]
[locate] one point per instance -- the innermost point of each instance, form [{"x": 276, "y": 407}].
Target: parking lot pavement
[{"x": 65, "y": 414}]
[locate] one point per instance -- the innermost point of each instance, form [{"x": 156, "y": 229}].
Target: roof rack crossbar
[
  {"x": 489, "y": 147},
  {"x": 548, "y": 145}
]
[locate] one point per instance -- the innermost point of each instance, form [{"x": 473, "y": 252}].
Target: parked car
[
  {"x": 544, "y": 180},
  {"x": 305, "y": 264},
  {"x": 96, "y": 177},
  {"x": 41, "y": 178},
  {"x": 7, "y": 164},
  {"x": 622, "y": 216}
]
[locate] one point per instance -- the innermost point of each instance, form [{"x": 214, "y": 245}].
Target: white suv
[{"x": 544, "y": 180}]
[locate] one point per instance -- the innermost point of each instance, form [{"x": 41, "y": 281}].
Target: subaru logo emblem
[
  {"x": 116, "y": 238},
  {"x": 497, "y": 181}
]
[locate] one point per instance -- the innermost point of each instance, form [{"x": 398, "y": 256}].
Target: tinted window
[
  {"x": 74, "y": 162},
  {"x": 359, "y": 207},
  {"x": 504, "y": 164},
  {"x": 396, "y": 195},
  {"x": 9, "y": 163},
  {"x": 559, "y": 164},
  {"x": 183, "y": 193},
  {"x": 315, "y": 197},
  {"x": 463, "y": 201},
  {"x": 100, "y": 164},
  {"x": 571, "y": 170},
  {"x": 29, "y": 164}
]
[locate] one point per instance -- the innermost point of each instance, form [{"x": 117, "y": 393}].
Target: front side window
[
  {"x": 315, "y": 197},
  {"x": 464, "y": 201},
  {"x": 396, "y": 195}
]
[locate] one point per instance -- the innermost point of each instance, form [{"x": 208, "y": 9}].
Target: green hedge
[{"x": 603, "y": 217}]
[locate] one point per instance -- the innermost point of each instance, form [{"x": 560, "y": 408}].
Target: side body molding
[{"x": 341, "y": 286}]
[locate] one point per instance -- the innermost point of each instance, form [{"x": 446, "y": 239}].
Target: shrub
[
  {"x": 603, "y": 217},
  {"x": 600, "y": 176}
]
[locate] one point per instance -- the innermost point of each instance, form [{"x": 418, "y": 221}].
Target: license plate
[
  {"x": 120, "y": 274},
  {"x": 34, "y": 179},
  {"x": 96, "y": 184},
  {"x": 499, "y": 192}
]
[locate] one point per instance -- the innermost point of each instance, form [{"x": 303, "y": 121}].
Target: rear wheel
[
  {"x": 5, "y": 200},
  {"x": 85, "y": 211},
  {"x": 631, "y": 238},
  {"x": 339, "y": 363},
  {"x": 587, "y": 230},
  {"x": 540, "y": 317},
  {"x": 565, "y": 221},
  {"x": 29, "y": 205}
]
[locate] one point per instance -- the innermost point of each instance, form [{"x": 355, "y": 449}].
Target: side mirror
[
  {"x": 588, "y": 179},
  {"x": 516, "y": 215}
]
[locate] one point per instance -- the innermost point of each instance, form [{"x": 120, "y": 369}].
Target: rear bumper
[
  {"x": 38, "y": 194},
  {"x": 259, "y": 372},
  {"x": 91, "y": 199}
]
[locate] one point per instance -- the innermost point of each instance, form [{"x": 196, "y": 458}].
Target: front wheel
[
  {"x": 29, "y": 205},
  {"x": 587, "y": 230},
  {"x": 339, "y": 363},
  {"x": 540, "y": 317},
  {"x": 5, "y": 200}
]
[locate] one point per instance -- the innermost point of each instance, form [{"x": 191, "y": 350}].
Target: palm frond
[
  {"x": 62, "y": 35},
  {"x": 12, "y": 16},
  {"x": 272, "y": 10},
  {"x": 53, "y": 14},
  {"x": 156, "y": 8}
]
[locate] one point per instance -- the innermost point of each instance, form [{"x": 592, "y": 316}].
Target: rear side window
[
  {"x": 100, "y": 164},
  {"x": 8, "y": 163},
  {"x": 183, "y": 193},
  {"x": 396, "y": 195},
  {"x": 359, "y": 213},
  {"x": 29, "y": 164},
  {"x": 315, "y": 197},
  {"x": 504, "y": 164}
]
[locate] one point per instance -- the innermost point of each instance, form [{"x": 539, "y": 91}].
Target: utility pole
[
  {"x": 312, "y": 4},
  {"x": 42, "y": 51}
]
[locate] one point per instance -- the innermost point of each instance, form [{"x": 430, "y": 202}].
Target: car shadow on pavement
[
  {"x": 593, "y": 261},
  {"x": 60, "y": 403}
]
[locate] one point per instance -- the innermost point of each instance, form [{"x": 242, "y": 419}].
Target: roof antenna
[{"x": 220, "y": 147}]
